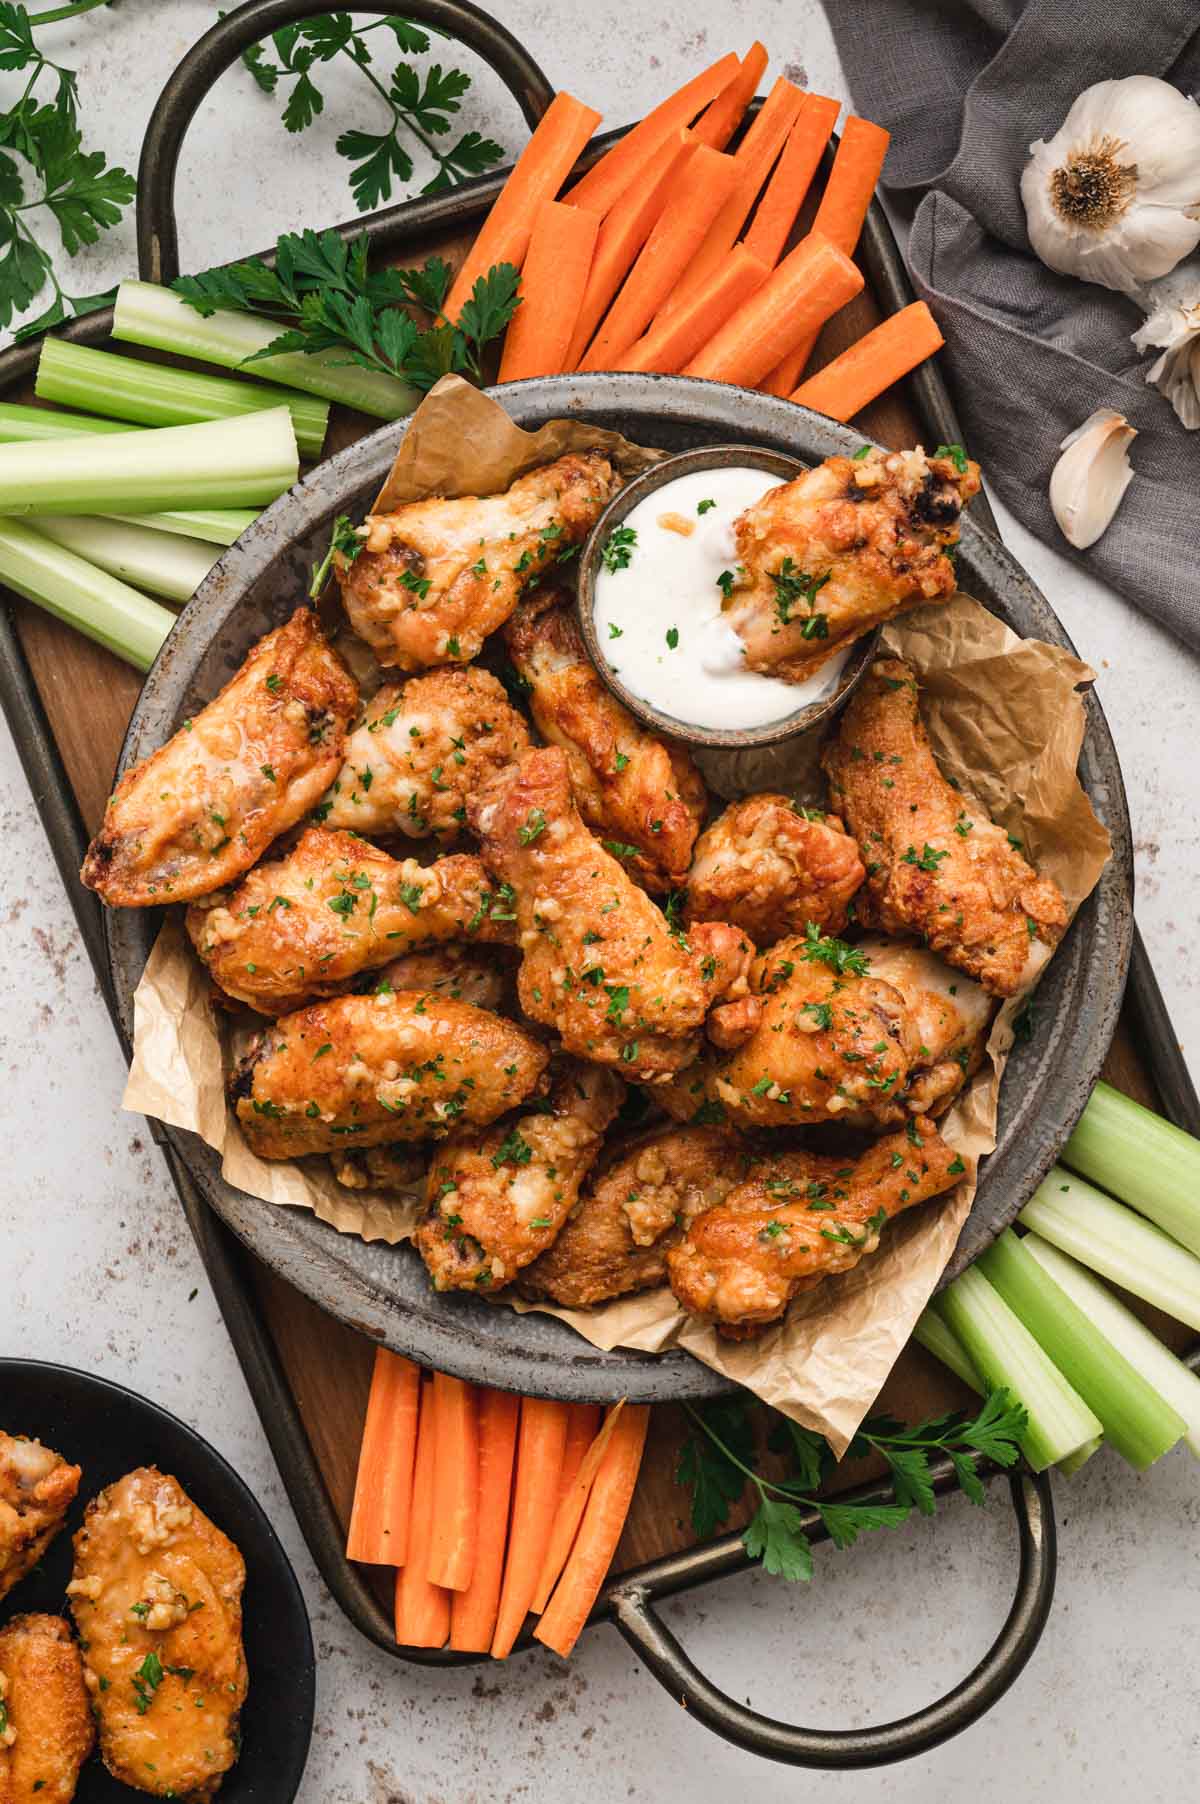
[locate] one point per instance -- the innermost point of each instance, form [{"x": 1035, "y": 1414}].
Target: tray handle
[{"x": 219, "y": 48}]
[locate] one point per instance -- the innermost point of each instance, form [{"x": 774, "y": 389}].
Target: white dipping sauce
[{"x": 659, "y": 619}]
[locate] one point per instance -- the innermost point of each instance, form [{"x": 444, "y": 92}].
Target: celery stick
[
  {"x": 216, "y": 526},
  {"x": 148, "y": 315},
  {"x": 161, "y": 563},
  {"x": 221, "y": 463},
  {"x": 28, "y": 425},
  {"x": 129, "y": 624},
  {"x": 1142, "y": 1159},
  {"x": 155, "y": 394},
  {"x": 934, "y": 1334},
  {"x": 1002, "y": 1349},
  {"x": 1137, "y": 1421},
  {"x": 1110, "y": 1239},
  {"x": 1131, "y": 1337}
]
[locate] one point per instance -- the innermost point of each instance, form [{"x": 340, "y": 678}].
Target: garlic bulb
[
  {"x": 1173, "y": 324},
  {"x": 1114, "y": 195},
  {"x": 1091, "y": 476}
]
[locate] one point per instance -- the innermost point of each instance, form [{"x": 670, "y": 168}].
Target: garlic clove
[
  {"x": 1173, "y": 326},
  {"x": 1091, "y": 476}
]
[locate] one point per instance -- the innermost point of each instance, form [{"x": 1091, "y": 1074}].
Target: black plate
[{"x": 108, "y": 1431}]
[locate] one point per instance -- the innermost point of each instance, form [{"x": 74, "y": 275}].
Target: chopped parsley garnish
[
  {"x": 793, "y": 586},
  {"x": 146, "y": 1681},
  {"x": 672, "y": 637},
  {"x": 702, "y": 507},
  {"x": 928, "y": 860},
  {"x": 514, "y": 1149},
  {"x": 821, "y": 1013},
  {"x": 618, "y": 549},
  {"x": 619, "y": 849},
  {"x": 410, "y": 895},
  {"x": 957, "y": 456},
  {"x": 535, "y": 823},
  {"x": 615, "y": 632},
  {"x": 821, "y": 949},
  {"x": 725, "y": 583}
]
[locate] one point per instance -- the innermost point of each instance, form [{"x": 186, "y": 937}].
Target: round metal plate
[{"x": 383, "y": 1290}]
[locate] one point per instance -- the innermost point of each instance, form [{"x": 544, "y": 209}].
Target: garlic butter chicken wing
[
  {"x": 770, "y": 868},
  {"x": 365, "y": 1070},
  {"x": 157, "y": 1599},
  {"x": 937, "y": 866},
  {"x": 420, "y": 750},
  {"x": 801, "y": 1217},
  {"x": 496, "y": 1199},
  {"x": 437, "y": 576},
  {"x": 46, "y": 1727},
  {"x": 825, "y": 558},
  {"x": 467, "y": 975},
  {"x": 949, "y": 1014},
  {"x": 37, "y": 1488},
  {"x": 306, "y": 924},
  {"x": 200, "y": 810},
  {"x": 629, "y": 785}
]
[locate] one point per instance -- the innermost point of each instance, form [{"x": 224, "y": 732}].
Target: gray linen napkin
[{"x": 965, "y": 86}]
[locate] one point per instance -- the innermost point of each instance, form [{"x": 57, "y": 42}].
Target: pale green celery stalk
[
  {"x": 109, "y": 611},
  {"x": 1142, "y": 1159},
  {"x": 1137, "y": 1421},
  {"x": 215, "y": 525},
  {"x": 1110, "y": 1239},
  {"x": 244, "y": 462},
  {"x": 155, "y": 394},
  {"x": 1004, "y": 1352},
  {"x": 1131, "y": 1337},
  {"x": 161, "y": 563},
  {"x": 148, "y": 315}
]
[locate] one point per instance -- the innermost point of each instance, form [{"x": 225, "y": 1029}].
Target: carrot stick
[
  {"x": 678, "y": 335},
  {"x": 382, "y": 1507},
  {"x": 422, "y": 1609},
  {"x": 451, "y": 1559},
  {"x": 722, "y": 116},
  {"x": 537, "y": 175},
  {"x": 572, "y": 1503},
  {"x": 880, "y": 358},
  {"x": 796, "y": 299},
  {"x": 473, "y": 1611},
  {"x": 596, "y": 1543},
  {"x": 620, "y": 167},
  {"x": 702, "y": 190},
  {"x": 792, "y": 178},
  {"x": 553, "y": 283},
  {"x": 540, "y": 1443},
  {"x": 623, "y": 234},
  {"x": 583, "y": 1425}
]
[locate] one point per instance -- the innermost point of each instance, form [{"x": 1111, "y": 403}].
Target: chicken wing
[
  {"x": 484, "y": 979},
  {"x": 420, "y": 750},
  {"x": 630, "y": 786},
  {"x": 404, "y": 1065},
  {"x": 600, "y": 963},
  {"x": 495, "y": 1200},
  {"x": 308, "y": 923},
  {"x": 847, "y": 545},
  {"x": 397, "y": 1168},
  {"x": 770, "y": 868},
  {"x": 437, "y": 576},
  {"x": 37, "y": 1488},
  {"x": 157, "y": 1600},
  {"x": 46, "y": 1727},
  {"x": 798, "y": 1219},
  {"x": 937, "y": 866},
  {"x": 205, "y": 806},
  {"x": 949, "y": 1014}
]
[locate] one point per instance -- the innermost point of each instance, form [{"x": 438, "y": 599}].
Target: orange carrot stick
[
  {"x": 537, "y": 175},
  {"x": 722, "y": 116},
  {"x": 553, "y": 283},
  {"x": 571, "y": 1505},
  {"x": 681, "y": 333},
  {"x": 619, "y": 168},
  {"x": 702, "y": 190},
  {"x": 583, "y": 1425},
  {"x": 796, "y": 299},
  {"x": 452, "y": 1538},
  {"x": 540, "y": 1443},
  {"x": 473, "y": 1611},
  {"x": 422, "y": 1609},
  {"x": 860, "y": 374},
  {"x": 596, "y": 1543},
  {"x": 382, "y": 1507},
  {"x": 792, "y": 178}
]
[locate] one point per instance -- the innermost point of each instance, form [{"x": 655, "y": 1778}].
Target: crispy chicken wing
[
  {"x": 365, "y": 1070},
  {"x": 949, "y": 1014},
  {"x": 827, "y": 557},
  {"x": 37, "y": 1488},
  {"x": 46, "y": 1727},
  {"x": 497, "y": 1199},
  {"x": 630, "y": 786},
  {"x": 420, "y": 750},
  {"x": 157, "y": 1599},
  {"x": 200, "y": 810},
  {"x": 398, "y": 1168},
  {"x": 308, "y": 923},
  {"x": 437, "y": 576},
  {"x": 937, "y": 866},
  {"x": 770, "y": 868},
  {"x": 468, "y": 974},
  {"x": 800, "y": 1218}
]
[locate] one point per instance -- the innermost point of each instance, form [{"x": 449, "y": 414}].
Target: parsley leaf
[
  {"x": 776, "y": 1537},
  {"x": 618, "y": 548},
  {"x": 821, "y": 949}
]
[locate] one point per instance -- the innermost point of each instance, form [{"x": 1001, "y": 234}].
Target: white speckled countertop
[{"x": 100, "y": 1271}]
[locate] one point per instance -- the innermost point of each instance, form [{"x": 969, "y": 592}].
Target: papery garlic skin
[
  {"x": 1114, "y": 195},
  {"x": 1173, "y": 326},
  {"x": 1090, "y": 478}
]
